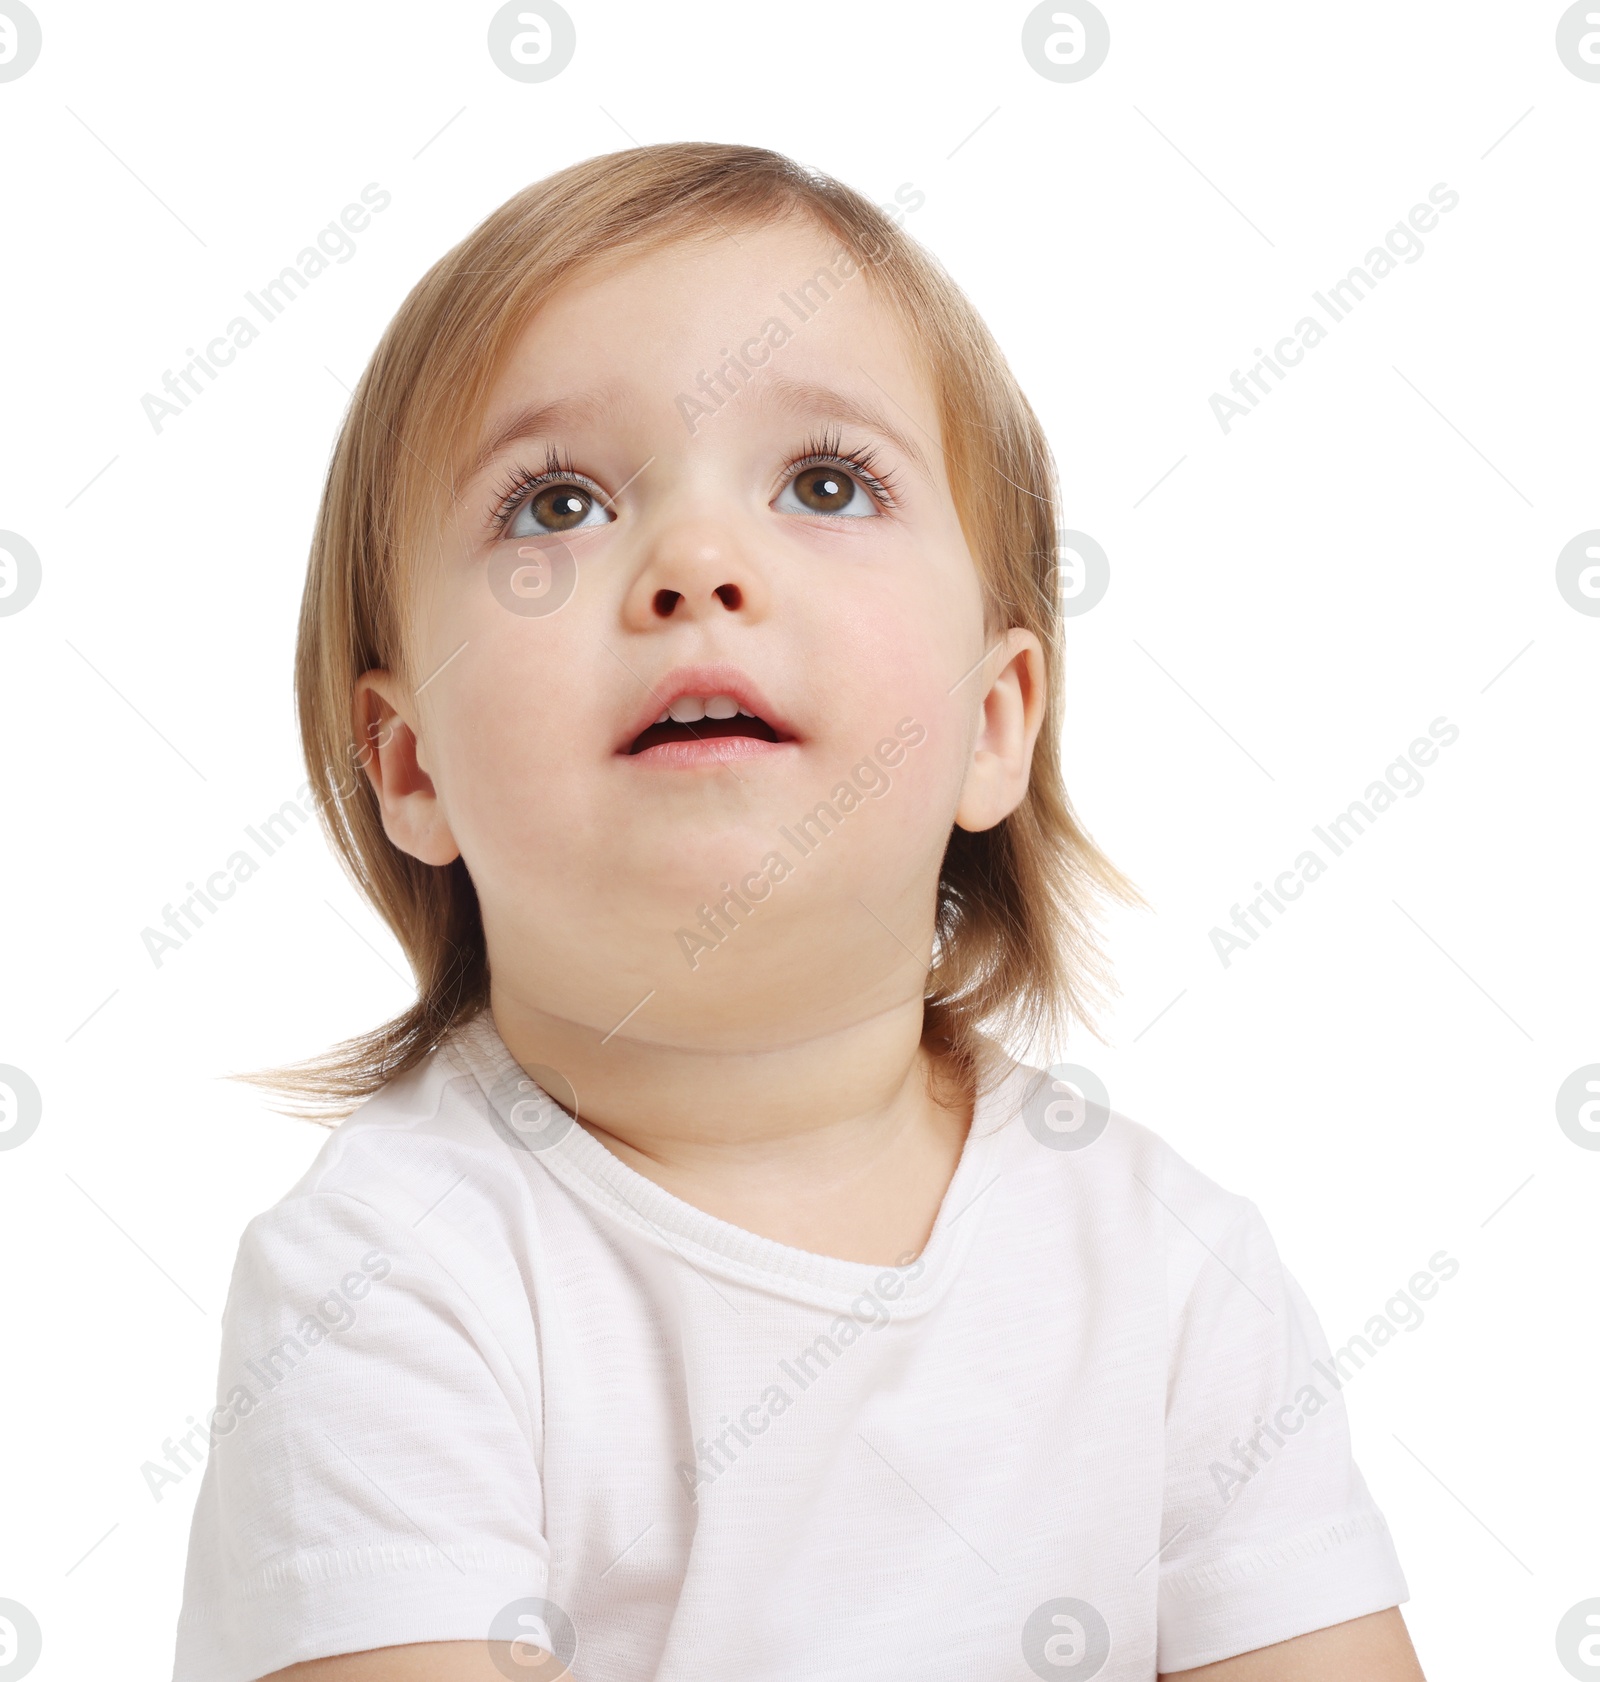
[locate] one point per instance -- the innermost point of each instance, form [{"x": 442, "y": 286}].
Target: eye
[
  {"x": 556, "y": 508},
  {"x": 825, "y": 490},
  {"x": 559, "y": 499},
  {"x": 828, "y": 480}
]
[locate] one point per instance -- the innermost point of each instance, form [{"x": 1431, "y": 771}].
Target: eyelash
[
  {"x": 827, "y": 450},
  {"x": 521, "y": 484},
  {"x": 819, "y": 450}
]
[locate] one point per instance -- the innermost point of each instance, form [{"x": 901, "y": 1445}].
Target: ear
[
  {"x": 1008, "y": 726},
  {"x": 386, "y": 729}
]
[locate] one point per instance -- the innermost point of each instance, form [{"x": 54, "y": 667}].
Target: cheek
[
  {"x": 506, "y": 727},
  {"x": 935, "y": 732},
  {"x": 917, "y": 625},
  {"x": 911, "y": 691},
  {"x": 905, "y": 755}
]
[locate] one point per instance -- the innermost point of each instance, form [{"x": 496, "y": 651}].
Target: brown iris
[
  {"x": 561, "y": 507},
  {"x": 825, "y": 489}
]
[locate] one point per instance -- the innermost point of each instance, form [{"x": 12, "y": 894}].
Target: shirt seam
[
  {"x": 599, "y": 1183},
  {"x": 1250, "y": 1563},
  {"x": 369, "y": 1561}
]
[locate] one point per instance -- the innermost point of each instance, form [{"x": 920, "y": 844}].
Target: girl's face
[{"x": 766, "y": 552}]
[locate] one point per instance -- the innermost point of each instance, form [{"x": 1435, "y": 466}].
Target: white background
[{"x": 1290, "y": 605}]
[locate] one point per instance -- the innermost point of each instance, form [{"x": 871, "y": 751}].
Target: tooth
[
  {"x": 745, "y": 712},
  {"x": 663, "y": 718},
  {"x": 687, "y": 709},
  {"x": 721, "y": 706}
]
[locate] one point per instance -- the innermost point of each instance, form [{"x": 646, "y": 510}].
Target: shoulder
[
  {"x": 424, "y": 1131},
  {"x": 1081, "y": 1160},
  {"x": 422, "y": 1172}
]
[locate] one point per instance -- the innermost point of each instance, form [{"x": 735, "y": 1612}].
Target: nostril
[
  {"x": 665, "y": 601},
  {"x": 730, "y": 596}
]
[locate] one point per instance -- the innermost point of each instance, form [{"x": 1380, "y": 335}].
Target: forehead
[{"x": 643, "y": 333}]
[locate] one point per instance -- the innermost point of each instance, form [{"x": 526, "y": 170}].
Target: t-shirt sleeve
[
  {"x": 1268, "y": 1526},
  {"x": 373, "y": 1475}
]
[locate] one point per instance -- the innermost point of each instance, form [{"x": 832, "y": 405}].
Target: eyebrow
[
  {"x": 807, "y": 401},
  {"x": 539, "y": 420},
  {"x": 802, "y": 399}
]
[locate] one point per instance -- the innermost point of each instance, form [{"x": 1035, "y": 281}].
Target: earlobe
[
  {"x": 388, "y": 752},
  {"x": 1008, "y": 726}
]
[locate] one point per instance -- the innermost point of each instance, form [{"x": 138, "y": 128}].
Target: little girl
[{"x": 701, "y": 1291}]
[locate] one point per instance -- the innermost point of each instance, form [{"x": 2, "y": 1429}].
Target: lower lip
[{"x": 712, "y": 751}]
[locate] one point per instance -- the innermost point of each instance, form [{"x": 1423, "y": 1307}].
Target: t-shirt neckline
[{"x": 710, "y": 1245}]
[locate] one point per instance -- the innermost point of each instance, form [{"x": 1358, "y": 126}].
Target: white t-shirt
[{"x": 479, "y": 1377}]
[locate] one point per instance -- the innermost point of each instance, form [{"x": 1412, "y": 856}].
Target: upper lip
[{"x": 704, "y": 681}]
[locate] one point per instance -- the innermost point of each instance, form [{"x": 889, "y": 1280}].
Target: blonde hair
[{"x": 1015, "y": 951}]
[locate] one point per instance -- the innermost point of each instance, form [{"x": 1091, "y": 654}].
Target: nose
[
  {"x": 664, "y": 603},
  {"x": 697, "y": 570}
]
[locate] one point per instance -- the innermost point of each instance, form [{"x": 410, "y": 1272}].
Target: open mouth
[
  {"x": 705, "y": 729},
  {"x": 706, "y": 715}
]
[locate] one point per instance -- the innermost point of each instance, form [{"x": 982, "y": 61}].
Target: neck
[{"x": 842, "y": 1142}]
